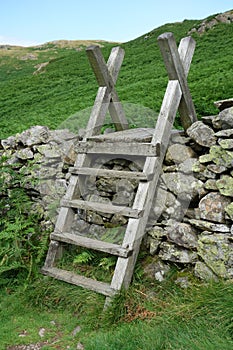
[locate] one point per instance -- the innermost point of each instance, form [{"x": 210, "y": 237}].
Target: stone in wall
[
  {"x": 224, "y": 120},
  {"x": 216, "y": 251},
  {"x": 225, "y": 185},
  {"x": 212, "y": 207},
  {"x": 202, "y": 134}
]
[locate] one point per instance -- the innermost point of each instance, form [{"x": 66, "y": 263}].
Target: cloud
[{"x": 5, "y": 40}]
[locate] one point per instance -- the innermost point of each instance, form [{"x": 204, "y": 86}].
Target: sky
[{"x": 34, "y": 22}]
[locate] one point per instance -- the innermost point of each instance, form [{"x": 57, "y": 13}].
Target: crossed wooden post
[{"x": 107, "y": 98}]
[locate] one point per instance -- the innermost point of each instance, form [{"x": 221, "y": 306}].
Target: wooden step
[
  {"x": 112, "y": 173},
  {"x": 119, "y": 148},
  {"x": 128, "y": 135},
  {"x": 70, "y": 277},
  {"x": 102, "y": 207},
  {"x": 90, "y": 243}
]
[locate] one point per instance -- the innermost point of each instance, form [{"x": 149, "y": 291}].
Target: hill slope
[{"x": 47, "y": 84}]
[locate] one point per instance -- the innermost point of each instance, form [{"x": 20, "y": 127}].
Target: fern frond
[{"x": 83, "y": 258}]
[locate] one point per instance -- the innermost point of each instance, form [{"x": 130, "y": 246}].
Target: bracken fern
[{"x": 22, "y": 242}]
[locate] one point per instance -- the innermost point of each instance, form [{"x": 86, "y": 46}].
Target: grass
[
  {"x": 176, "y": 335},
  {"x": 147, "y": 316},
  {"x": 20, "y": 319},
  {"x": 45, "y": 306}
]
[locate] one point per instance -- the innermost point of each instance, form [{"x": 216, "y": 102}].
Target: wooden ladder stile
[{"x": 148, "y": 143}]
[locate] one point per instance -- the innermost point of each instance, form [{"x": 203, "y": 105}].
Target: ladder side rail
[
  {"x": 98, "y": 112},
  {"x": 99, "y": 67},
  {"x": 145, "y": 194}
]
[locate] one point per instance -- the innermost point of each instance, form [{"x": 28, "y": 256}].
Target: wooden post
[{"x": 177, "y": 63}]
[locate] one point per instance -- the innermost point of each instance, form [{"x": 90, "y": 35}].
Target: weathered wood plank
[
  {"x": 99, "y": 67},
  {"x": 102, "y": 207},
  {"x": 70, "y": 277},
  {"x": 129, "y": 135},
  {"x": 146, "y": 190},
  {"x": 121, "y": 148},
  {"x": 115, "y": 61},
  {"x": 52, "y": 254},
  {"x": 176, "y": 71},
  {"x": 163, "y": 128},
  {"x": 98, "y": 112},
  {"x": 117, "y": 112},
  {"x": 90, "y": 243},
  {"x": 112, "y": 173},
  {"x": 64, "y": 219},
  {"x": 115, "y": 107},
  {"x": 186, "y": 50}
]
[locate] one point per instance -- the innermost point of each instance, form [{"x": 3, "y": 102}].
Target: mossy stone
[
  {"x": 214, "y": 251},
  {"x": 221, "y": 156},
  {"x": 225, "y": 185}
]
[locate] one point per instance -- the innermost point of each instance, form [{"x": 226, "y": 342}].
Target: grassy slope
[{"x": 67, "y": 84}]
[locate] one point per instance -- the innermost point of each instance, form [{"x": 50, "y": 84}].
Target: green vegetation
[
  {"x": 150, "y": 315},
  {"x": 67, "y": 84},
  {"x": 22, "y": 243}
]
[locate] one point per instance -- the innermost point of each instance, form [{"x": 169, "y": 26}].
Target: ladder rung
[
  {"x": 119, "y": 148},
  {"x": 102, "y": 207},
  {"x": 90, "y": 243},
  {"x": 112, "y": 173},
  {"x": 70, "y": 277}
]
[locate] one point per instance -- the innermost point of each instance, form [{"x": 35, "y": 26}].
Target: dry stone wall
[{"x": 191, "y": 220}]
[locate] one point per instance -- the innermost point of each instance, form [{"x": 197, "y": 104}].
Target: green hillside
[{"x": 50, "y": 94}]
